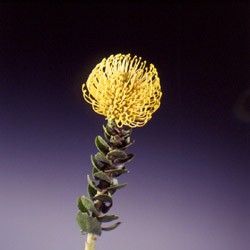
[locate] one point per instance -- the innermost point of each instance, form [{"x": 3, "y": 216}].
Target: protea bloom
[
  {"x": 127, "y": 93},
  {"x": 124, "y": 89}
]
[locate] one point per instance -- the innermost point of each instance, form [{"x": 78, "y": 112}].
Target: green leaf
[
  {"x": 107, "y": 218},
  {"x": 117, "y": 171},
  {"x": 102, "y": 176},
  {"x": 95, "y": 165},
  {"x": 88, "y": 224},
  {"x": 128, "y": 145},
  {"x": 127, "y": 159},
  {"x": 81, "y": 207},
  {"x": 92, "y": 189},
  {"x": 111, "y": 227},
  {"x": 101, "y": 157},
  {"x": 106, "y": 133},
  {"x": 115, "y": 187},
  {"x": 104, "y": 198},
  {"x": 87, "y": 203},
  {"x": 101, "y": 145},
  {"x": 116, "y": 154},
  {"x": 110, "y": 127},
  {"x": 95, "y": 168}
]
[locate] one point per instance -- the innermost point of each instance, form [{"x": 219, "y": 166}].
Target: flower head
[{"x": 124, "y": 89}]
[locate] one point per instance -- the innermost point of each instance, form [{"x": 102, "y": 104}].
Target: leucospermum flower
[{"x": 124, "y": 89}]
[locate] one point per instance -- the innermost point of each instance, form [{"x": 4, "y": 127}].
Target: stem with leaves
[{"x": 107, "y": 164}]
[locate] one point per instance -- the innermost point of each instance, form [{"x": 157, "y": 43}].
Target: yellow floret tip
[{"x": 124, "y": 89}]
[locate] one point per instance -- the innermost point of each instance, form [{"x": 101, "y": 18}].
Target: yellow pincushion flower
[{"x": 124, "y": 89}]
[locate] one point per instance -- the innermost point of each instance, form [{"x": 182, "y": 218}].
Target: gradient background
[{"x": 189, "y": 183}]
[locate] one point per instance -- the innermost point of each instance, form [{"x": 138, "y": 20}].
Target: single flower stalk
[{"x": 127, "y": 92}]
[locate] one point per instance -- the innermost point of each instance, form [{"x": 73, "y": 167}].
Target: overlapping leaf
[
  {"x": 101, "y": 145},
  {"x": 88, "y": 224}
]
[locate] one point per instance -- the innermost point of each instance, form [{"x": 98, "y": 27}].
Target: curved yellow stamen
[{"x": 124, "y": 89}]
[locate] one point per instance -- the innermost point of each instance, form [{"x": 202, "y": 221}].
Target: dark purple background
[{"x": 189, "y": 183}]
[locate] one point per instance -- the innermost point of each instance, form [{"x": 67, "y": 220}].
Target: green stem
[{"x": 90, "y": 242}]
